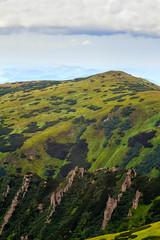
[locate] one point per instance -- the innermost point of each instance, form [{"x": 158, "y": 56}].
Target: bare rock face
[
  {"x": 129, "y": 213},
  {"x": 56, "y": 197},
  {"x": 128, "y": 181},
  {"x": 7, "y": 191},
  {"x": 40, "y": 207},
  {"x": 136, "y": 200},
  {"x": 111, "y": 205},
  {"x": 24, "y": 238},
  {"x": 24, "y": 189},
  {"x": 112, "y": 169},
  {"x": 135, "y": 203}
]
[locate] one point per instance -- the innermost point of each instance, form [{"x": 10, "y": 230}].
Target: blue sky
[{"x": 69, "y": 38}]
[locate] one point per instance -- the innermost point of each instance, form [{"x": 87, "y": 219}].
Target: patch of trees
[
  {"x": 32, "y": 127},
  {"x": 142, "y": 138},
  {"x": 81, "y": 120},
  {"x": 127, "y": 111},
  {"x": 94, "y": 108},
  {"x": 110, "y": 125},
  {"x": 12, "y": 143},
  {"x": 150, "y": 161}
]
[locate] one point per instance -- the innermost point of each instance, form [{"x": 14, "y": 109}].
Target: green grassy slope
[
  {"x": 109, "y": 119},
  {"x": 148, "y": 232}
]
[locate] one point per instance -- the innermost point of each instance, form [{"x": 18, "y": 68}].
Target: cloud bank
[{"x": 102, "y": 17}]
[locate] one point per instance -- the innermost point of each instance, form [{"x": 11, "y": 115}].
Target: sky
[{"x": 50, "y": 39}]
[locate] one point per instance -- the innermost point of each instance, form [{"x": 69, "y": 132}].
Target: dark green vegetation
[{"x": 81, "y": 210}]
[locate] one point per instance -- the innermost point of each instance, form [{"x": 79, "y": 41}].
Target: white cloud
[
  {"x": 139, "y": 17},
  {"x": 74, "y": 42},
  {"x": 78, "y": 42},
  {"x": 86, "y": 42}
]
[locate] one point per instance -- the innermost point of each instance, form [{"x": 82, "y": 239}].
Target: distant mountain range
[
  {"x": 60, "y": 72},
  {"x": 64, "y": 72}
]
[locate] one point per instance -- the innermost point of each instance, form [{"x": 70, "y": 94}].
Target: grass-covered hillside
[
  {"x": 148, "y": 232},
  {"x": 109, "y": 119}
]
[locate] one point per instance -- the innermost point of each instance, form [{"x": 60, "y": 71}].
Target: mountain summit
[{"x": 106, "y": 120}]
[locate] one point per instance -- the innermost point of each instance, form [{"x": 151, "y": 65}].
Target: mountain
[
  {"x": 56, "y": 72},
  {"x": 80, "y": 158},
  {"x": 109, "y": 119}
]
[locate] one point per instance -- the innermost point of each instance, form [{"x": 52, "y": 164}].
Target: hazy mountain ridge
[{"x": 60, "y": 72}]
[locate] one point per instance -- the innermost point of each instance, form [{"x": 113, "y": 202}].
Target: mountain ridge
[{"x": 87, "y": 115}]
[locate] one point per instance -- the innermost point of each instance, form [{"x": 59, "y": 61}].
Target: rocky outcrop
[
  {"x": 23, "y": 190},
  {"x": 112, "y": 169},
  {"x": 7, "y": 191},
  {"x": 40, "y": 207},
  {"x": 128, "y": 181},
  {"x": 24, "y": 238},
  {"x": 112, "y": 203},
  {"x": 56, "y": 197},
  {"x": 135, "y": 202}
]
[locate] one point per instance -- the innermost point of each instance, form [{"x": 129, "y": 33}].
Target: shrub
[
  {"x": 150, "y": 161},
  {"x": 118, "y": 141},
  {"x": 105, "y": 144},
  {"x": 71, "y": 101},
  {"x": 125, "y": 125},
  {"x": 69, "y": 92},
  {"x": 94, "y": 108},
  {"x": 13, "y": 142},
  {"x": 142, "y": 138},
  {"x": 157, "y": 123},
  {"x": 142, "y": 99},
  {"x": 5, "y": 130},
  {"x": 115, "y": 108},
  {"x": 132, "y": 153},
  {"x": 121, "y": 100},
  {"x": 127, "y": 111},
  {"x": 110, "y": 125}
]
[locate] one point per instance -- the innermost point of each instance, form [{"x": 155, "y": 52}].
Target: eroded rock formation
[
  {"x": 135, "y": 202},
  {"x": 128, "y": 181},
  {"x": 7, "y": 191},
  {"x": 23, "y": 190},
  {"x": 112, "y": 203},
  {"x": 56, "y": 197},
  {"x": 24, "y": 238}
]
